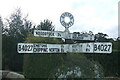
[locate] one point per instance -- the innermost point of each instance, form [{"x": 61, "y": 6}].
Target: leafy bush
[
  {"x": 68, "y": 65},
  {"x": 40, "y": 65},
  {"x": 78, "y": 66}
]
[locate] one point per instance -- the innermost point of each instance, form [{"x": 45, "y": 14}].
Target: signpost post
[{"x": 92, "y": 47}]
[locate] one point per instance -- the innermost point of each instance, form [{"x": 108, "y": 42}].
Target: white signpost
[
  {"x": 65, "y": 48},
  {"x": 92, "y": 47},
  {"x": 60, "y": 34},
  {"x": 65, "y": 34},
  {"x": 43, "y": 33}
]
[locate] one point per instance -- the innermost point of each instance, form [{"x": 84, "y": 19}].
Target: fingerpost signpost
[{"x": 67, "y": 20}]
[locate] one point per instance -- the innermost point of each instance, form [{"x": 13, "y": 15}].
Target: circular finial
[{"x": 67, "y": 19}]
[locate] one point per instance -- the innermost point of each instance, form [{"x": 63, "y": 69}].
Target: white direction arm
[
  {"x": 103, "y": 47},
  {"x": 65, "y": 35}
]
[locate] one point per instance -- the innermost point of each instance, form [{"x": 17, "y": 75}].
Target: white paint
[
  {"x": 43, "y": 33},
  {"x": 65, "y": 35},
  {"x": 64, "y": 48},
  {"x": 103, "y": 47}
]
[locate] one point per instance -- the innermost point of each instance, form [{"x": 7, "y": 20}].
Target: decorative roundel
[{"x": 67, "y": 19}]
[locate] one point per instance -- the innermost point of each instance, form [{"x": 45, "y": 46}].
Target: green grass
[{"x": 116, "y": 50}]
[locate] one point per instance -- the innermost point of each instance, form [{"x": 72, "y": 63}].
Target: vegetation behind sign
[{"x": 17, "y": 32}]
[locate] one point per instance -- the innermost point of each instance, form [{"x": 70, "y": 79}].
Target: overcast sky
[{"x": 89, "y": 15}]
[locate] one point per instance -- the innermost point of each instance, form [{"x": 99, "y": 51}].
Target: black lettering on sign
[
  {"x": 43, "y": 45},
  {"x": 71, "y": 17},
  {"x": 50, "y": 34},
  {"x": 19, "y": 47},
  {"x": 62, "y": 16},
  {"x": 59, "y": 34},
  {"x": 62, "y": 48},
  {"x": 74, "y": 36},
  {"x": 40, "y": 50},
  {"x": 25, "y": 47},
  {"x": 88, "y": 48},
  {"x": 102, "y": 47},
  {"x": 74, "y": 48},
  {"x": 54, "y": 49},
  {"x": 109, "y": 46},
  {"x": 30, "y": 48},
  {"x": 63, "y": 23},
  {"x": 95, "y": 47},
  {"x": 105, "y": 47},
  {"x": 67, "y": 24},
  {"x": 37, "y": 33},
  {"x": 99, "y": 47},
  {"x": 34, "y": 50},
  {"x": 70, "y": 23}
]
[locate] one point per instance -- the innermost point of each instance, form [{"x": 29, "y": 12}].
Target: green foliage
[
  {"x": 77, "y": 66},
  {"x": 17, "y": 26},
  {"x": 47, "y": 65},
  {"x": 46, "y": 25},
  {"x": 14, "y": 32},
  {"x": 32, "y": 39},
  {"x": 19, "y": 29},
  {"x": 108, "y": 61},
  {"x": 11, "y": 60},
  {"x": 101, "y": 37},
  {"x": 15, "y": 23},
  {"x": 40, "y": 65}
]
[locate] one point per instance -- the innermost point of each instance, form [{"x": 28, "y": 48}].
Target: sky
[{"x": 89, "y": 15}]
